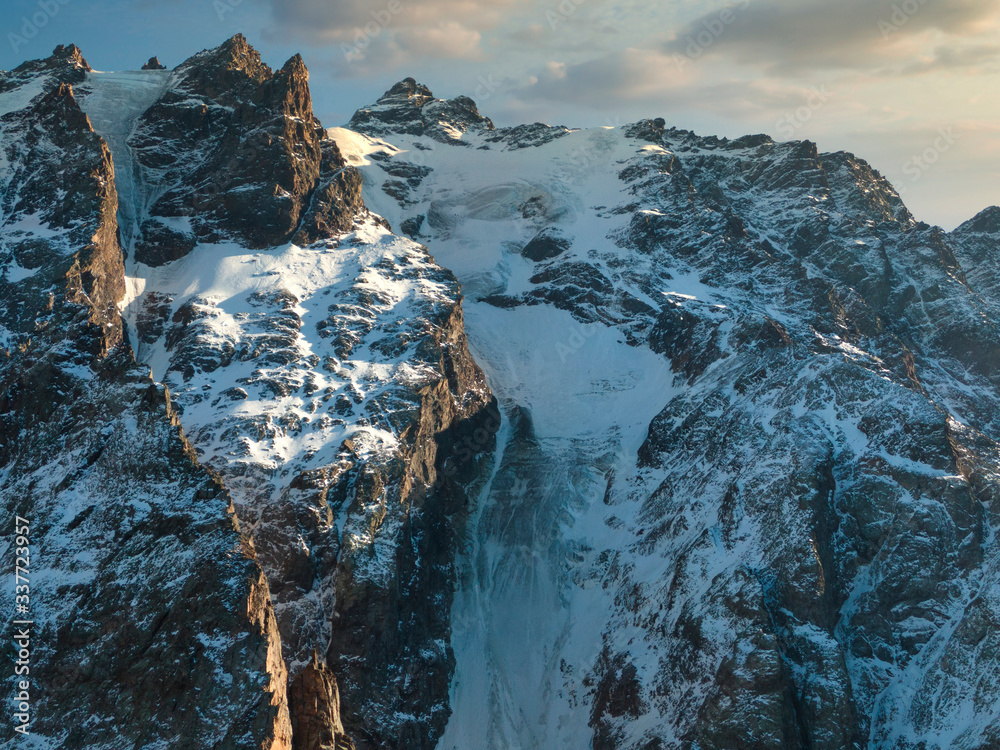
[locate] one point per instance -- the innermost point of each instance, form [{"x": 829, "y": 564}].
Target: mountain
[{"x": 427, "y": 433}]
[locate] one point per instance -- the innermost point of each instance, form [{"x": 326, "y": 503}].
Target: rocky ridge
[{"x": 122, "y": 516}]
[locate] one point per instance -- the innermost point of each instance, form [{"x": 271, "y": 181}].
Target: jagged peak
[
  {"x": 408, "y": 88},
  {"x": 238, "y": 45},
  {"x": 62, "y": 91},
  {"x": 70, "y": 54},
  {"x": 234, "y": 54},
  {"x": 61, "y": 102},
  {"x": 66, "y": 64},
  {"x": 410, "y": 107},
  {"x": 295, "y": 65},
  {"x": 291, "y": 86},
  {"x": 154, "y": 64},
  {"x": 294, "y": 71},
  {"x": 752, "y": 141},
  {"x": 986, "y": 221}
]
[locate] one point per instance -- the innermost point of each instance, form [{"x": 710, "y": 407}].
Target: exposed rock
[
  {"x": 315, "y": 704},
  {"x": 154, "y": 64},
  {"x": 241, "y": 156},
  {"x": 545, "y": 246},
  {"x": 527, "y": 136},
  {"x": 986, "y": 221},
  {"x": 65, "y": 65}
]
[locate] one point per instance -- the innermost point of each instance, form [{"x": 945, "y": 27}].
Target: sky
[{"x": 908, "y": 85}]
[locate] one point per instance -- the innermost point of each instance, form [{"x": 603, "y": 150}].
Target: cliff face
[
  {"x": 231, "y": 150},
  {"x": 146, "y": 603}
]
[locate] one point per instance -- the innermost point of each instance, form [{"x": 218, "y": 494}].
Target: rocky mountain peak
[
  {"x": 411, "y": 108},
  {"x": 408, "y": 88},
  {"x": 231, "y": 70},
  {"x": 70, "y": 55},
  {"x": 66, "y": 64},
  {"x": 154, "y": 64},
  {"x": 289, "y": 89},
  {"x": 238, "y": 52},
  {"x": 60, "y": 105},
  {"x": 986, "y": 221},
  {"x": 255, "y": 160},
  {"x": 295, "y": 66}
]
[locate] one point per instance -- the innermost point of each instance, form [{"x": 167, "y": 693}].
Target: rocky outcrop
[
  {"x": 975, "y": 244},
  {"x": 153, "y": 64},
  {"x": 411, "y": 108},
  {"x": 65, "y": 65},
  {"x": 316, "y": 722},
  {"x": 236, "y": 154}
]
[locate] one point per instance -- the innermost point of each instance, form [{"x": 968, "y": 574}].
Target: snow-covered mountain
[
  {"x": 424, "y": 433},
  {"x": 744, "y": 490}
]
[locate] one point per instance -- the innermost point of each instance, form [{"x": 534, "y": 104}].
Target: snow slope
[{"x": 522, "y": 629}]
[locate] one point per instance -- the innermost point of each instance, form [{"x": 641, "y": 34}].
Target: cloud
[
  {"x": 451, "y": 40},
  {"x": 980, "y": 58},
  {"x": 792, "y": 35},
  {"x": 620, "y": 77},
  {"x": 390, "y": 33},
  {"x": 649, "y": 80}
]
